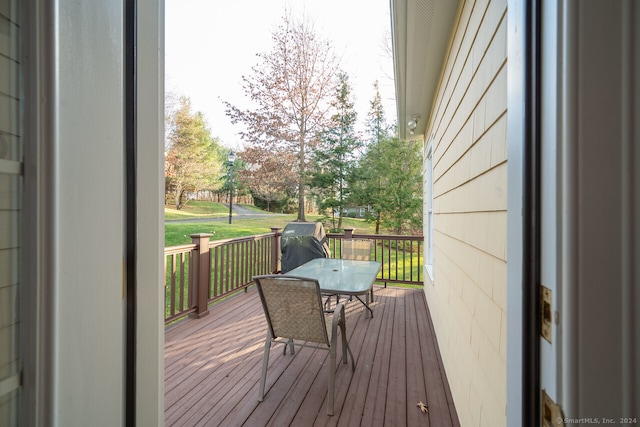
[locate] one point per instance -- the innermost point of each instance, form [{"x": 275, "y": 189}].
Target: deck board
[
  {"x": 375, "y": 403},
  {"x": 213, "y": 364},
  {"x": 395, "y": 412},
  {"x": 416, "y": 388}
]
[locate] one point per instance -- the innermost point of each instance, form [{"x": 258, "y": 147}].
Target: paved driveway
[{"x": 238, "y": 212}]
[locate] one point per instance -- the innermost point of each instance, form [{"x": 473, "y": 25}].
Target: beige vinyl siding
[
  {"x": 10, "y": 214},
  {"x": 468, "y": 297}
]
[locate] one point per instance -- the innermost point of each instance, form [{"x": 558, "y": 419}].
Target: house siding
[{"x": 468, "y": 128}]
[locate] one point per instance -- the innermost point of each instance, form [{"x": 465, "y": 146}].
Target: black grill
[{"x": 302, "y": 242}]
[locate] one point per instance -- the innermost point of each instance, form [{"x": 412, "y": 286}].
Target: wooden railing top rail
[
  {"x": 171, "y": 250},
  {"x": 376, "y": 236}
]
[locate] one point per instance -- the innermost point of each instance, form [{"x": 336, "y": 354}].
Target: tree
[
  {"x": 367, "y": 181},
  {"x": 335, "y": 156},
  {"x": 289, "y": 88},
  {"x": 388, "y": 177},
  {"x": 404, "y": 189},
  {"x": 268, "y": 175},
  {"x": 367, "y": 184},
  {"x": 192, "y": 161},
  {"x": 172, "y": 104},
  {"x": 377, "y": 127},
  {"x": 389, "y": 180}
]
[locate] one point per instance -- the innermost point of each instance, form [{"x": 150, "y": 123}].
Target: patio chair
[
  {"x": 293, "y": 308},
  {"x": 357, "y": 249}
]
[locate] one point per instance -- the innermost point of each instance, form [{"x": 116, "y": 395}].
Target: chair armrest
[
  {"x": 338, "y": 315},
  {"x": 338, "y": 312}
]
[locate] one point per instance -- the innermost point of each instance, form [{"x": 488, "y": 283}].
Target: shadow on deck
[{"x": 212, "y": 369}]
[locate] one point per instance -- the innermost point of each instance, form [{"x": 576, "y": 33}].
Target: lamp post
[{"x": 231, "y": 158}]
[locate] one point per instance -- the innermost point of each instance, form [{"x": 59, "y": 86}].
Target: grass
[
  {"x": 178, "y": 233},
  {"x": 196, "y": 209}
]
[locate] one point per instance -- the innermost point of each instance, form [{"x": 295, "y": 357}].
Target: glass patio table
[{"x": 341, "y": 276}]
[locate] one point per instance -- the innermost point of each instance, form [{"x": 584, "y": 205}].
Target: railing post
[
  {"x": 201, "y": 268},
  {"x": 275, "y": 250},
  {"x": 348, "y": 233}
]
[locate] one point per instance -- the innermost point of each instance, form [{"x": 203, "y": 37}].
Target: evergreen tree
[
  {"x": 377, "y": 128},
  {"x": 366, "y": 181},
  {"x": 388, "y": 178},
  {"x": 335, "y": 156}
]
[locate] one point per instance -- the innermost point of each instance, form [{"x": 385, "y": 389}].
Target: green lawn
[
  {"x": 196, "y": 209},
  {"x": 178, "y": 233}
]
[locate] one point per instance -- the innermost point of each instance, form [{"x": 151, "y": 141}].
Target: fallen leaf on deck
[{"x": 422, "y": 407}]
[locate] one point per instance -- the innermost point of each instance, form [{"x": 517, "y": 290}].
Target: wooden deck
[{"x": 212, "y": 369}]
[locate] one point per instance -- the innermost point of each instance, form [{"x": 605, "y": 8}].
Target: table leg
[{"x": 366, "y": 305}]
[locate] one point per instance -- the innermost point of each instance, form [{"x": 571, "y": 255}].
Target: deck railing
[
  {"x": 205, "y": 271},
  {"x": 400, "y": 256}
]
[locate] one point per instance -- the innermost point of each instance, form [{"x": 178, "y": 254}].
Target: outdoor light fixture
[
  {"x": 231, "y": 158},
  {"x": 413, "y": 124}
]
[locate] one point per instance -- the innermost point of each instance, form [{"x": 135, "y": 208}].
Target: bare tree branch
[{"x": 290, "y": 88}]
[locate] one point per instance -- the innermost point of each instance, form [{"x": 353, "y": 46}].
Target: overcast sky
[{"x": 211, "y": 44}]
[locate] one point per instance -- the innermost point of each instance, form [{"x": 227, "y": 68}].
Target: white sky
[{"x": 211, "y": 44}]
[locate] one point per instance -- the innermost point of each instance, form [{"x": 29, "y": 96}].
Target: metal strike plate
[
  {"x": 546, "y": 315},
  {"x": 551, "y": 412}
]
